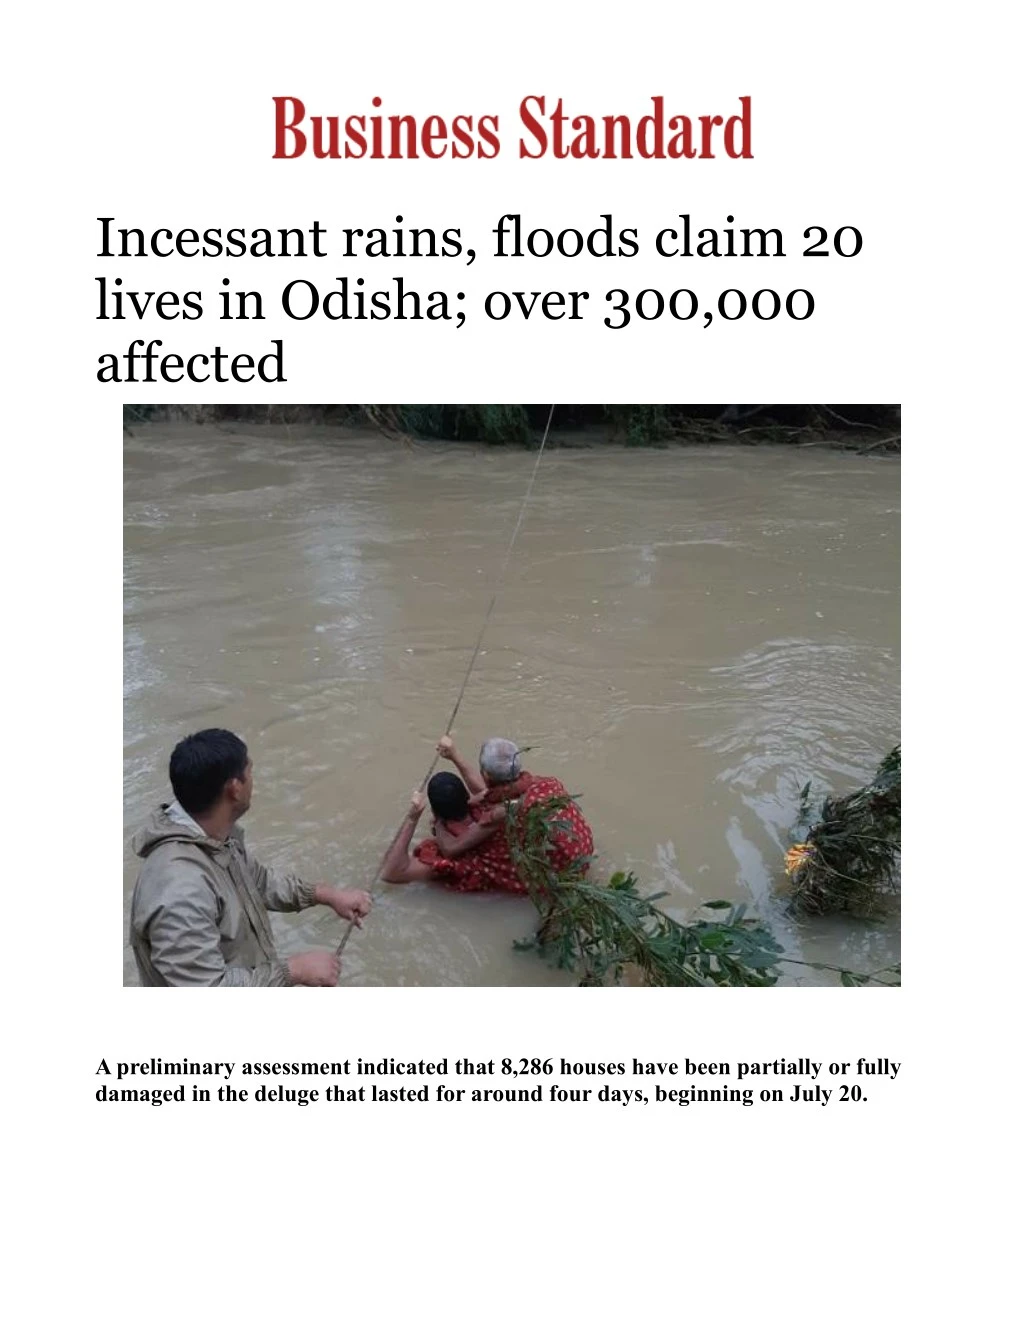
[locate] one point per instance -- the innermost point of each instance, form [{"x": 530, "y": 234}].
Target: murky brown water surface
[{"x": 684, "y": 637}]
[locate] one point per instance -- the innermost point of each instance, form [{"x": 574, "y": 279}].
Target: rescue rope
[{"x": 472, "y": 662}]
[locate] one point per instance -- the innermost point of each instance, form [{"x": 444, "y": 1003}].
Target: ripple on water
[{"x": 685, "y": 638}]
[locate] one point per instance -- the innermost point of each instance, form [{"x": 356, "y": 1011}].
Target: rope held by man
[{"x": 472, "y": 662}]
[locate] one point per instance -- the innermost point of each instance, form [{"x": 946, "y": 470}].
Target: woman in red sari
[{"x": 469, "y": 854}]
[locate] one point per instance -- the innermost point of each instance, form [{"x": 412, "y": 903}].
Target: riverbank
[{"x": 865, "y": 429}]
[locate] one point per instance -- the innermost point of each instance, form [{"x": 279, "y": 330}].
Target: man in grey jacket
[{"x": 199, "y": 910}]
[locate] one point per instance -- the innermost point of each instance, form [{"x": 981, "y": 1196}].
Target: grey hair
[{"x": 499, "y": 760}]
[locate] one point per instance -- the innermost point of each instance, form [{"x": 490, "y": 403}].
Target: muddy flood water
[{"x": 684, "y": 637}]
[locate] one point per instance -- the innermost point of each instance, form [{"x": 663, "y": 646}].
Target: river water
[{"x": 684, "y": 637}]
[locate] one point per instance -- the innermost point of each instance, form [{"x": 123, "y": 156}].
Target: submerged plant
[{"x": 848, "y": 858}]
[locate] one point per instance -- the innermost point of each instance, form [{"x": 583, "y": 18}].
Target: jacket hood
[{"x": 161, "y": 828}]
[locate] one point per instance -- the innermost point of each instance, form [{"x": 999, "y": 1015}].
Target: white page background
[{"x": 161, "y": 116}]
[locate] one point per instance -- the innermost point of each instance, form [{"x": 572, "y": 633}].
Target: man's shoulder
[{"x": 175, "y": 862}]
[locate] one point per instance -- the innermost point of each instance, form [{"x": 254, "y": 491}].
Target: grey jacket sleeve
[
  {"x": 280, "y": 892},
  {"x": 184, "y": 942}
]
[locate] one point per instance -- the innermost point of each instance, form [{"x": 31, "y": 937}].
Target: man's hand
[
  {"x": 352, "y": 904},
  {"x": 317, "y": 967},
  {"x": 417, "y": 804},
  {"x": 349, "y": 903},
  {"x": 497, "y": 815},
  {"x": 446, "y": 748}
]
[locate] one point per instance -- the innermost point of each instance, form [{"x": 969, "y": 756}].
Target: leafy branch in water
[
  {"x": 599, "y": 930},
  {"x": 889, "y": 976},
  {"x": 848, "y": 860}
]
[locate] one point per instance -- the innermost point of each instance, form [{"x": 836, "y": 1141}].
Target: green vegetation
[
  {"x": 599, "y": 931},
  {"x": 492, "y": 424},
  {"x": 847, "y": 858},
  {"x": 641, "y": 425},
  {"x": 867, "y": 428}
]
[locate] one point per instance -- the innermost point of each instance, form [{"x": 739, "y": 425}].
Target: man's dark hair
[
  {"x": 448, "y": 796},
  {"x": 203, "y": 764}
]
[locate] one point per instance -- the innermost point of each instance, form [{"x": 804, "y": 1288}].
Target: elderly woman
[{"x": 476, "y": 857}]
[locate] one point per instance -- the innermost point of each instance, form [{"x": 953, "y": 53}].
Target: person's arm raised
[
  {"x": 471, "y": 776},
  {"x": 399, "y": 867}
]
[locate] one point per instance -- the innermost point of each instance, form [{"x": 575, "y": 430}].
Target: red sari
[{"x": 489, "y": 867}]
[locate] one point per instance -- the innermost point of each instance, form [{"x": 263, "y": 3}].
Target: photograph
[{"x": 512, "y": 695}]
